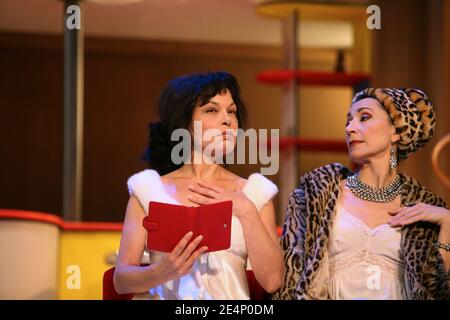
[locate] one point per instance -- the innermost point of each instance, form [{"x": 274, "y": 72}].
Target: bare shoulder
[
  {"x": 343, "y": 185},
  {"x": 235, "y": 180},
  {"x": 343, "y": 191}
]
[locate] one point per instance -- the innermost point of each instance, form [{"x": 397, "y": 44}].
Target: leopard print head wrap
[{"x": 411, "y": 112}]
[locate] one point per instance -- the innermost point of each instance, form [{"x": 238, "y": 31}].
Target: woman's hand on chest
[{"x": 204, "y": 193}]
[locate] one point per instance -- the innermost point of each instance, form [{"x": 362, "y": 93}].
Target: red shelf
[
  {"x": 313, "y": 78},
  {"x": 305, "y": 144}
]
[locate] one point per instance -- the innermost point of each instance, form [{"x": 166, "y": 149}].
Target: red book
[{"x": 167, "y": 223}]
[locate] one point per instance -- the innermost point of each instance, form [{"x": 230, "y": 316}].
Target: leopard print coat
[{"x": 307, "y": 226}]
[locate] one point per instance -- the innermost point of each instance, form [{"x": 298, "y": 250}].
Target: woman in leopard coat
[{"x": 373, "y": 234}]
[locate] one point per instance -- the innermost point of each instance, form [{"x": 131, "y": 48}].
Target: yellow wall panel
[{"x": 83, "y": 260}]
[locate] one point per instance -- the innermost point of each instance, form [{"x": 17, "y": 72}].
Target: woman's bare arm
[
  {"x": 263, "y": 247},
  {"x": 129, "y": 276}
]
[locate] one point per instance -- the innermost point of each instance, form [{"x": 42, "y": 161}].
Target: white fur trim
[
  {"x": 147, "y": 185},
  {"x": 259, "y": 190}
]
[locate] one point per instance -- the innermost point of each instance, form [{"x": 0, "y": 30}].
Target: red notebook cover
[{"x": 167, "y": 223}]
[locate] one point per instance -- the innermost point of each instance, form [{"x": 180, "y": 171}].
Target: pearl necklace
[{"x": 372, "y": 194}]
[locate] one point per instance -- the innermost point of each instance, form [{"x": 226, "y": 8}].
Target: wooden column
[
  {"x": 73, "y": 118},
  {"x": 289, "y": 117}
]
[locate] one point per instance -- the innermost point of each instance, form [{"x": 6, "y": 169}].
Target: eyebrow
[
  {"x": 217, "y": 104},
  {"x": 358, "y": 111}
]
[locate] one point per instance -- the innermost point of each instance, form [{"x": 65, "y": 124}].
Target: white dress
[
  {"x": 215, "y": 275},
  {"x": 364, "y": 263}
]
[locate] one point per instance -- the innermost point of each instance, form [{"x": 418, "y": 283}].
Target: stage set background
[{"x": 123, "y": 78}]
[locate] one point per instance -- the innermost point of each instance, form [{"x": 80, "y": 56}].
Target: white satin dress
[
  {"x": 364, "y": 263},
  {"x": 219, "y": 275}
]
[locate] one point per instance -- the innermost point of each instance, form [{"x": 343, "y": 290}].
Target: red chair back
[{"x": 109, "y": 292}]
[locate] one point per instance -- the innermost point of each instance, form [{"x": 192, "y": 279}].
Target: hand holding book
[{"x": 180, "y": 260}]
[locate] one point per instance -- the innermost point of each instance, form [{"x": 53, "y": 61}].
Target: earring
[{"x": 393, "y": 159}]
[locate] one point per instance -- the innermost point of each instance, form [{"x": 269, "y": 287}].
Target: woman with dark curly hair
[
  {"x": 373, "y": 234},
  {"x": 188, "y": 272}
]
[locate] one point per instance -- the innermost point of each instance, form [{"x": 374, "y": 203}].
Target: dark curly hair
[{"x": 175, "y": 107}]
